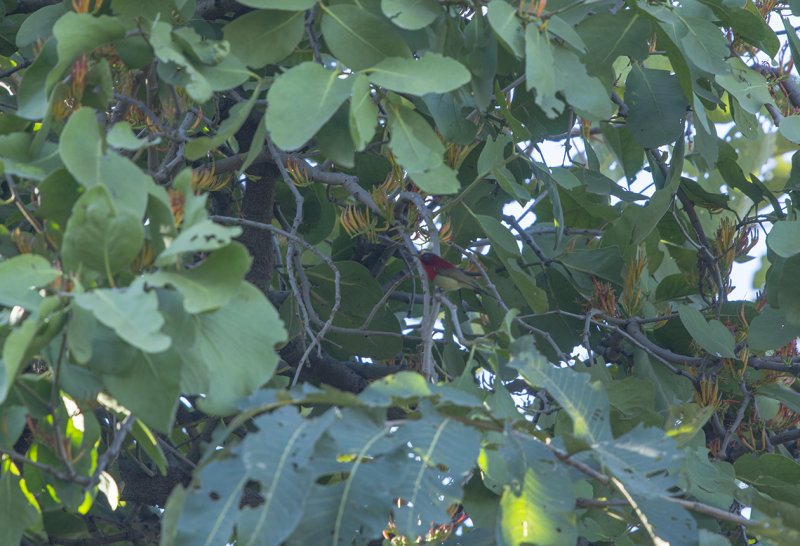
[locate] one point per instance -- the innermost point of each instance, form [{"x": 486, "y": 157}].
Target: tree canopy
[{"x": 216, "y": 328}]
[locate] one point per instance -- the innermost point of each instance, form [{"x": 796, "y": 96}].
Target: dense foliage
[{"x": 215, "y": 328}]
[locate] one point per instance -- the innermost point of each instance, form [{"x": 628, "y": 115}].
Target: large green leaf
[
  {"x": 83, "y": 152},
  {"x": 100, "y": 238},
  {"x": 587, "y": 94},
  {"x": 201, "y": 237},
  {"x": 712, "y": 335},
  {"x": 432, "y": 73},
  {"x": 748, "y": 86},
  {"x": 235, "y": 369},
  {"x": 25, "y": 340},
  {"x": 358, "y": 447},
  {"x": 439, "y": 443},
  {"x": 418, "y": 149},
  {"x": 770, "y": 330},
  {"x": 539, "y": 510},
  {"x": 79, "y": 33},
  {"x": 281, "y": 30},
  {"x": 540, "y": 72},
  {"x": 411, "y": 14},
  {"x": 359, "y": 39},
  {"x": 504, "y": 21},
  {"x": 657, "y": 107},
  {"x": 790, "y": 128},
  {"x": 20, "y": 278},
  {"x": 132, "y": 314},
  {"x": 309, "y": 93},
  {"x": 211, "y": 284},
  {"x": 205, "y": 514},
  {"x": 20, "y": 508},
  {"x": 148, "y": 384},
  {"x": 189, "y": 60},
  {"x": 611, "y": 35},
  {"x": 783, "y": 238},
  {"x": 279, "y": 456},
  {"x": 363, "y": 113},
  {"x": 703, "y": 44}
]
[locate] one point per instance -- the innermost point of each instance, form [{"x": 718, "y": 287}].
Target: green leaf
[
  {"x": 783, "y": 237},
  {"x": 363, "y": 115},
  {"x": 121, "y": 137},
  {"x": 492, "y": 162},
  {"x": 15, "y": 349},
  {"x": 611, "y": 35},
  {"x": 82, "y": 150},
  {"x": 335, "y": 142},
  {"x": 359, "y": 39},
  {"x": 627, "y": 151},
  {"x": 540, "y": 72},
  {"x": 587, "y": 95},
  {"x": 440, "y": 180},
  {"x": 279, "y": 456},
  {"x": 770, "y": 330},
  {"x": 20, "y": 508},
  {"x": 499, "y": 234},
  {"x": 211, "y": 284},
  {"x": 289, "y": 5},
  {"x": 439, "y": 443},
  {"x": 770, "y": 473},
  {"x": 550, "y": 185},
  {"x": 306, "y": 92},
  {"x": 540, "y": 510},
  {"x": 606, "y": 263},
  {"x": 79, "y": 33},
  {"x": 98, "y": 237},
  {"x": 584, "y": 401},
  {"x": 20, "y": 279},
  {"x": 371, "y": 457},
  {"x": 703, "y": 44},
  {"x": 419, "y": 150},
  {"x": 792, "y": 40},
  {"x": 205, "y": 514},
  {"x": 39, "y": 24},
  {"x": 525, "y": 283},
  {"x": 657, "y": 107},
  {"x": 281, "y": 30},
  {"x": 504, "y": 21},
  {"x": 790, "y": 128},
  {"x": 787, "y": 396},
  {"x": 433, "y": 73},
  {"x": 640, "y": 459},
  {"x": 185, "y": 57},
  {"x": 450, "y": 120},
  {"x": 218, "y": 336},
  {"x": 148, "y": 384},
  {"x": 201, "y": 237},
  {"x": 712, "y": 336},
  {"x": 132, "y": 314},
  {"x": 32, "y": 93},
  {"x": 411, "y": 14},
  {"x": 748, "y": 86}
]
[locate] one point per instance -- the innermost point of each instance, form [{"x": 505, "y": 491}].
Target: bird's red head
[{"x": 433, "y": 264}]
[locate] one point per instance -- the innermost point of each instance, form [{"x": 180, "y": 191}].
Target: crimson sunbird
[{"x": 446, "y": 275}]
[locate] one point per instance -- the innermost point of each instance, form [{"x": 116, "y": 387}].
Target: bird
[{"x": 446, "y": 275}]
